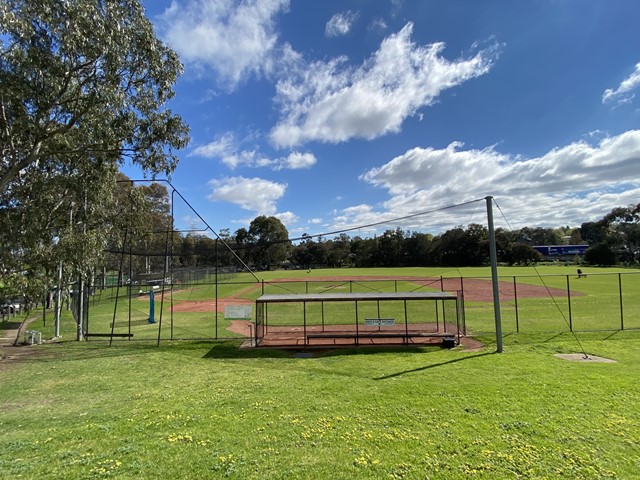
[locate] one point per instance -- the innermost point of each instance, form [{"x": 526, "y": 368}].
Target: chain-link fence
[{"x": 200, "y": 304}]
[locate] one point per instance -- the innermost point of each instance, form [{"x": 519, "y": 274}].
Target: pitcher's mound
[{"x": 580, "y": 357}]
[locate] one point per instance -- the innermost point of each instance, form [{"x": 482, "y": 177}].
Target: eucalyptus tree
[
  {"x": 271, "y": 240},
  {"x": 84, "y": 89}
]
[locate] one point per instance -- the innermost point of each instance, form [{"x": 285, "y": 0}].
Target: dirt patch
[
  {"x": 12, "y": 350},
  {"x": 241, "y": 327},
  {"x": 581, "y": 357},
  {"x": 211, "y": 305},
  {"x": 475, "y": 290}
]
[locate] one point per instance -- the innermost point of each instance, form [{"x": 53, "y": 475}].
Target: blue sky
[{"x": 336, "y": 113}]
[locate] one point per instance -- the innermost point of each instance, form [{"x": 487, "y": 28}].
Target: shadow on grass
[
  {"x": 10, "y": 325},
  {"x": 435, "y": 365},
  {"x": 230, "y": 349}
]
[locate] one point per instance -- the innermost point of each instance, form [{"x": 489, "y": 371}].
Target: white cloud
[
  {"x": 378, "y": 24},
  {"x": 227, "y": 149},
  {"x": 624, "y": 92},
  {"x": 232, "y": 38},
  {"x": 576, "y": 167},
  {"x": 287, "y": 218},
  {"x": 254, "y": 194},
  {"x": 340, "y": 24},
  {"x": 568, "y": 185},
  {"x": 330, "y": 102},
  {"x": 221, "y": 147},
  {"x": 297, "y": 160}
]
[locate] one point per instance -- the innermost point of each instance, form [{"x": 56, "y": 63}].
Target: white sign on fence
[
  {"x": 237, "y": 312},
  {"x": 379, "y": 322}
]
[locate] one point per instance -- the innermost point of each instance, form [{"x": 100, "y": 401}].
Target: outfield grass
[{"x": 205, "y": 410}]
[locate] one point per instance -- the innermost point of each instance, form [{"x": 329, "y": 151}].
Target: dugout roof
[{"x": 350, "y": 297}]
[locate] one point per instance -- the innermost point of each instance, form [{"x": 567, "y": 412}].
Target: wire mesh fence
[{"x": 196, "y": 304}]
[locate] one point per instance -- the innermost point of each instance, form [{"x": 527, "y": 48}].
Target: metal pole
[
  {"x": 58, "y": 303},
  {"x": 569, "y": 305},
  {"x": 406, "y": 324},
  {"x": 621, "y": 309},
  {"x": 170, "y": 261},
  {"x": 216, "y": 279},
  {"x": 79, "y": 335},
  {"x": 494, "y": 273},
  {"x": 130, "y": 289},
  {"x": 515, "y": 302}
]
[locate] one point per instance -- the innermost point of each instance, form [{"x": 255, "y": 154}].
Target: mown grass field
[{"x": 207, "y": 410}]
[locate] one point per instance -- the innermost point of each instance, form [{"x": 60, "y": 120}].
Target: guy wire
[{"x": 575, "y": 335}]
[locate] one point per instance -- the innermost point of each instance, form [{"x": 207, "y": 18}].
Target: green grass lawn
[{"x": 207, "y": 410}]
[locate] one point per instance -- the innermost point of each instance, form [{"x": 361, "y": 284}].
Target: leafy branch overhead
[
  {"x": 84, "y": 82},
  {"x": 85, "y": 86}
]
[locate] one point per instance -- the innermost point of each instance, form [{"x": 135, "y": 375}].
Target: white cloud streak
[
  {"x": 340, "y": 24},
  {"x": 566, "y": 186},
  {"x": 254, "y": 194},
  {"x": 227, "y": 149},
  {"x": 234, "y": 39},
  {"x": 330, "y": 102},
  {"x": 624, "y": 92}
]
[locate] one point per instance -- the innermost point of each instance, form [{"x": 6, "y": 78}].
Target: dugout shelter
[{"x": 370, "y": 318}]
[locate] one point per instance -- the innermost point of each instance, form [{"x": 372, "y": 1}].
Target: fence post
[
  {"x": 569, "y": 304},
  {"x": 515, "y": 301},
  {"x": 621, "y": 309}
]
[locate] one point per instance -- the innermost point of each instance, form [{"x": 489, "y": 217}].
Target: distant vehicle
[{"x": 8, "y": 308}]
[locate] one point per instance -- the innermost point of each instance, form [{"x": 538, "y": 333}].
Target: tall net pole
[{"x": 494, "y": 274}]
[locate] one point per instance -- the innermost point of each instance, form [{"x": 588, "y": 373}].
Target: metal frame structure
[{"x": 371, "y": 329}]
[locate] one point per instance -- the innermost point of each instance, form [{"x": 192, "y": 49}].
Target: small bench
[
  {"x": 448, "y": 339},
  {"x": 124, "y": 335}
]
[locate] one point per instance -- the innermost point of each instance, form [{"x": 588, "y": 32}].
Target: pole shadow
[{"x": 428, "y": 367}]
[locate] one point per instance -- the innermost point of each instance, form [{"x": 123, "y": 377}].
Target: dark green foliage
[{"x": 84, "y": 89}]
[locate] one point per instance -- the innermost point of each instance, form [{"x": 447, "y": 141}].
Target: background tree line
[{"x": 265, "y": 245}]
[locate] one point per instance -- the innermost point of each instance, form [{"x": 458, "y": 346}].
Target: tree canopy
[
  {"x": 85, "y": 86},
  {"x": 84, "y": 83}
]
